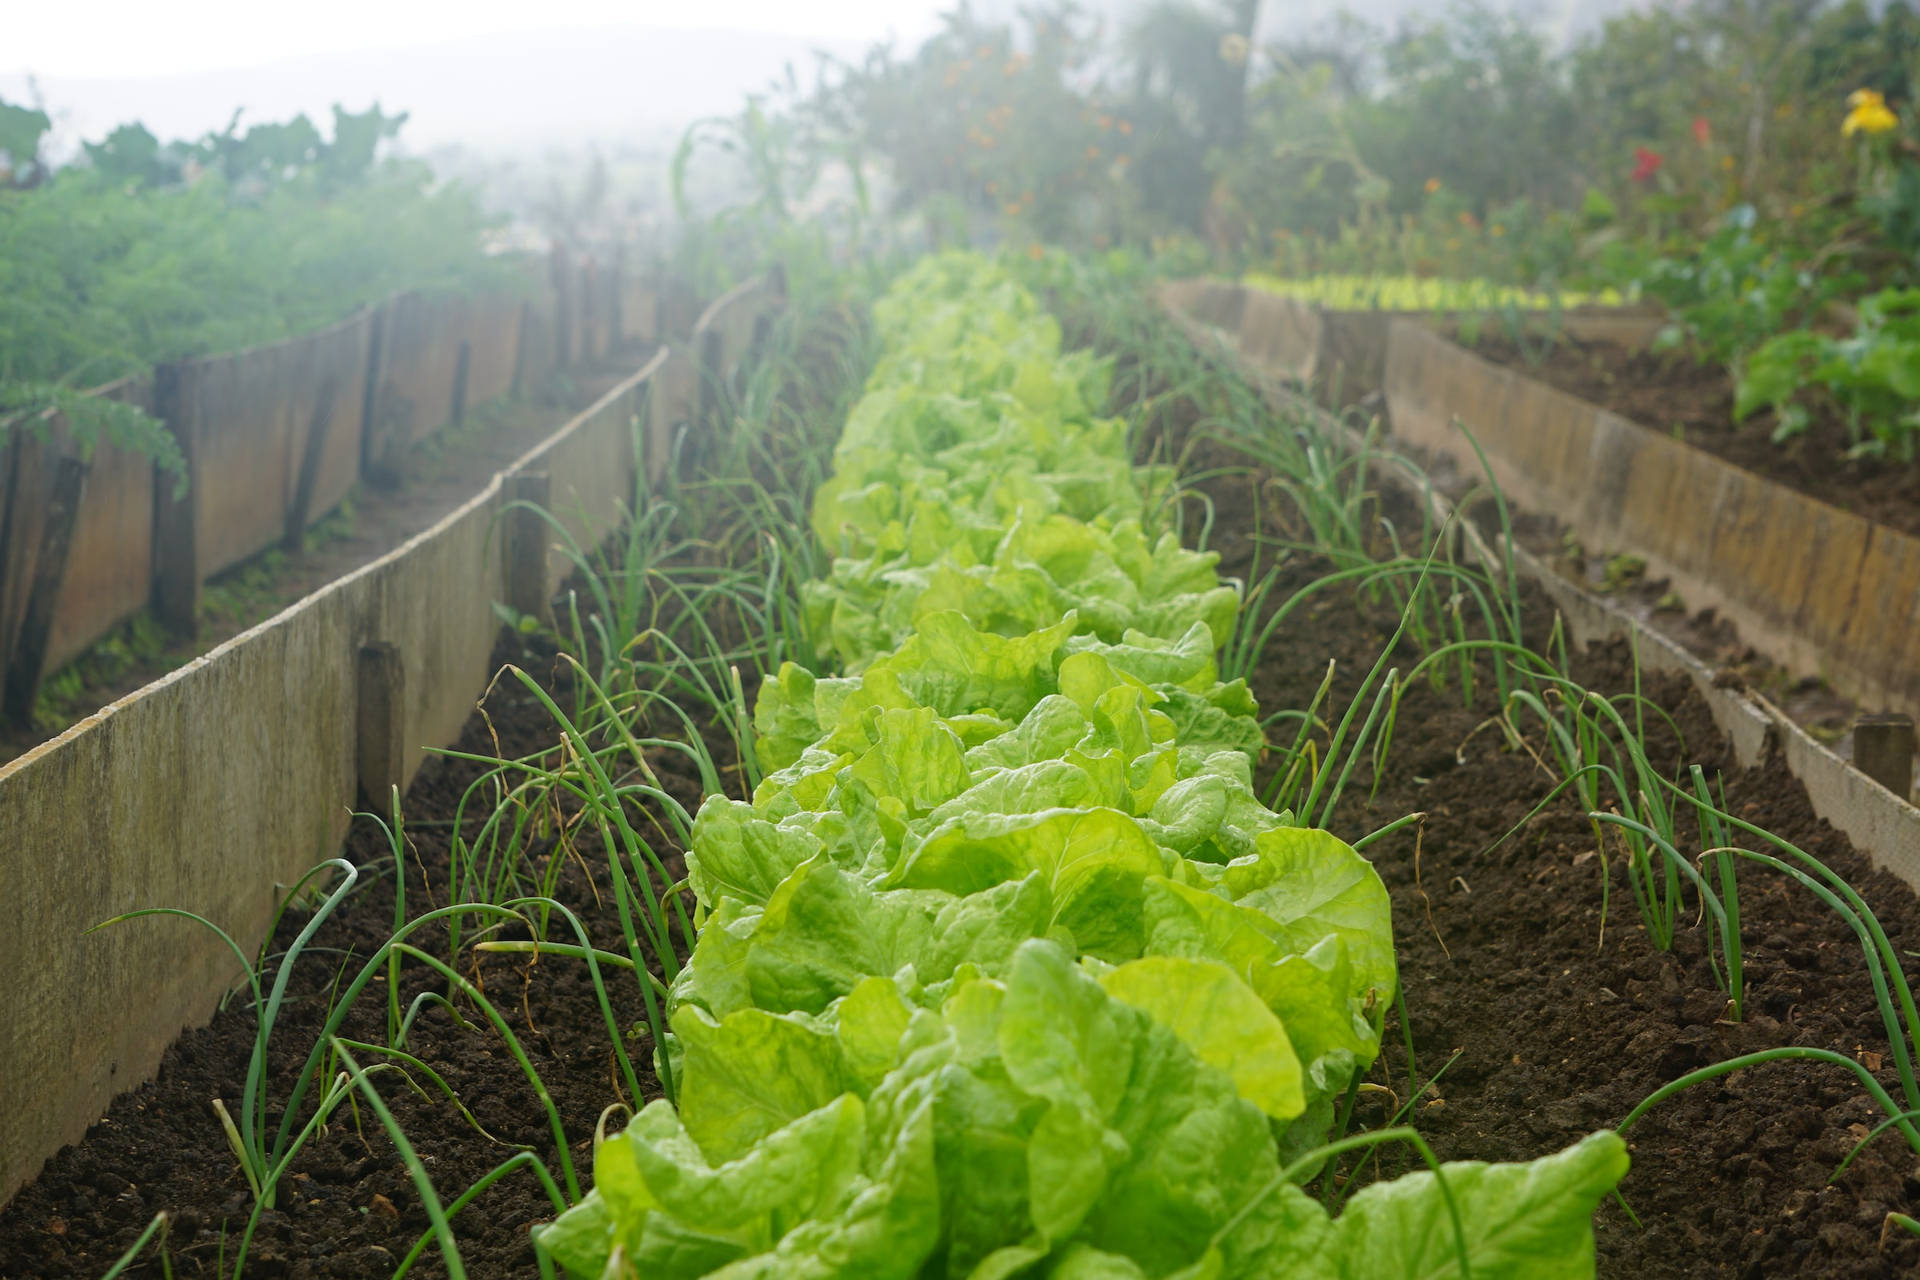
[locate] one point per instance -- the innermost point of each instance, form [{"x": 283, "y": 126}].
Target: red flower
[
  {"x": 1646, "y": 163},
  {"x": 1701, "y": 132}
]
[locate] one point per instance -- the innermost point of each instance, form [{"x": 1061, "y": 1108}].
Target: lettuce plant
[{"x": 1004, "y": 969}]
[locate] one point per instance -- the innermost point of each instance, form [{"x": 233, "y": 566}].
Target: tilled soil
[
  {"x": 349, "y": 1208},
  {"x": 1563, "y": 1026},
  {"x": 1671, "y": 392},
  {"x": 1560, "y": 1025}
]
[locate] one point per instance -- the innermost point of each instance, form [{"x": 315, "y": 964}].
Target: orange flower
[
  {"x": 1126, "y": 128},
  {"x": 1105, "y": 122},
  {"x": 1035, "y": 252},
  {"x": 1011, "y": 208},
  {"x": 1093, "y": 153},
  {"x": 1433, "y": 185}
]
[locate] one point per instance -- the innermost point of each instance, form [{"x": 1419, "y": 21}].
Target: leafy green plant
[
  {"x": 1016, "y": 889},
  {"x": 1418, "y": 293},
  {"x": 1874, "y": 376},
  {"x": 1736, "y": 289}
]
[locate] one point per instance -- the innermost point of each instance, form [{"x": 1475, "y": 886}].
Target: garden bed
[
  {"x": 1672, "y": 393},
  {"x": 1559, "y": 1031},
  {"x": 1560, "y": 1027},
  {"x": 350, "y": 1210},
  {"x": 433, "y": 478}
]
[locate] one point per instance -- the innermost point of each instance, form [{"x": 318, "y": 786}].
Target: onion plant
[
  {"x": 261, "y": 1159},
  {"x": 1893, "y": 994}
]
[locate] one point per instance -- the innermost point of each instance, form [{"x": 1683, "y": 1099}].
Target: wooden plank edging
[
  {"x": 218, "y": 781},
  {"x": 1884, "y": 826}
]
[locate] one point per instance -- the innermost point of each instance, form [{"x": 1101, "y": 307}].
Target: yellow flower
[
  {"x": 1433, "y": 185},
  {"x": 1869, "y": 114},
  {"x": 1496, "y": 230},
  {"x": 1234, "y": 49},
  {"x": 1726, "y": 162}
]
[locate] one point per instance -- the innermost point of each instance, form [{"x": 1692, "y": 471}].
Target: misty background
[{"x": 510, "y": 98}]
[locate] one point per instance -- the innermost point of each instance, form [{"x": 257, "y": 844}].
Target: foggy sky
[{"x": 470, "y": 71}]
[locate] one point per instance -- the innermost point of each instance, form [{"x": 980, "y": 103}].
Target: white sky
[
  {"x": 142, "y": 38},
  {"x": 488, "y": 73}
]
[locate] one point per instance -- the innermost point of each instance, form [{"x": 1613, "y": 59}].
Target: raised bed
[
  {"x": 238, "y": 772},
  {"x": 1561, "y": 1023},
  {"x": 1816, "y": 589},
  {"x": 1560, "y": 1027},
  {"x": 273, "y": 438},
  {"x": 1343, "y": 354},
  {"x": 1673, "y": 393}
]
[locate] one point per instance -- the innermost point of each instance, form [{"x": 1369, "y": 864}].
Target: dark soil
[
  {"x": 436, "y": 476},
  {"x": 350, "y": 1209},
  {"x": 1671, "y": 392},
  {"x": 1560, "y": 1026},
  {"x": 1563, "y": 1021}
]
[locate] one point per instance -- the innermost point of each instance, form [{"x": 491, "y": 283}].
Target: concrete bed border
[
  {"x": 1881, "y": 824},
  {"x": 1818, "y": 590}
]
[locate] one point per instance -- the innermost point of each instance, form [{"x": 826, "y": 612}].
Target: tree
[{"x": 21, "y": 131}]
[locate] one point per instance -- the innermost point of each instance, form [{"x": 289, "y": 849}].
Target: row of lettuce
[{"x": 1005, "y": 970}]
